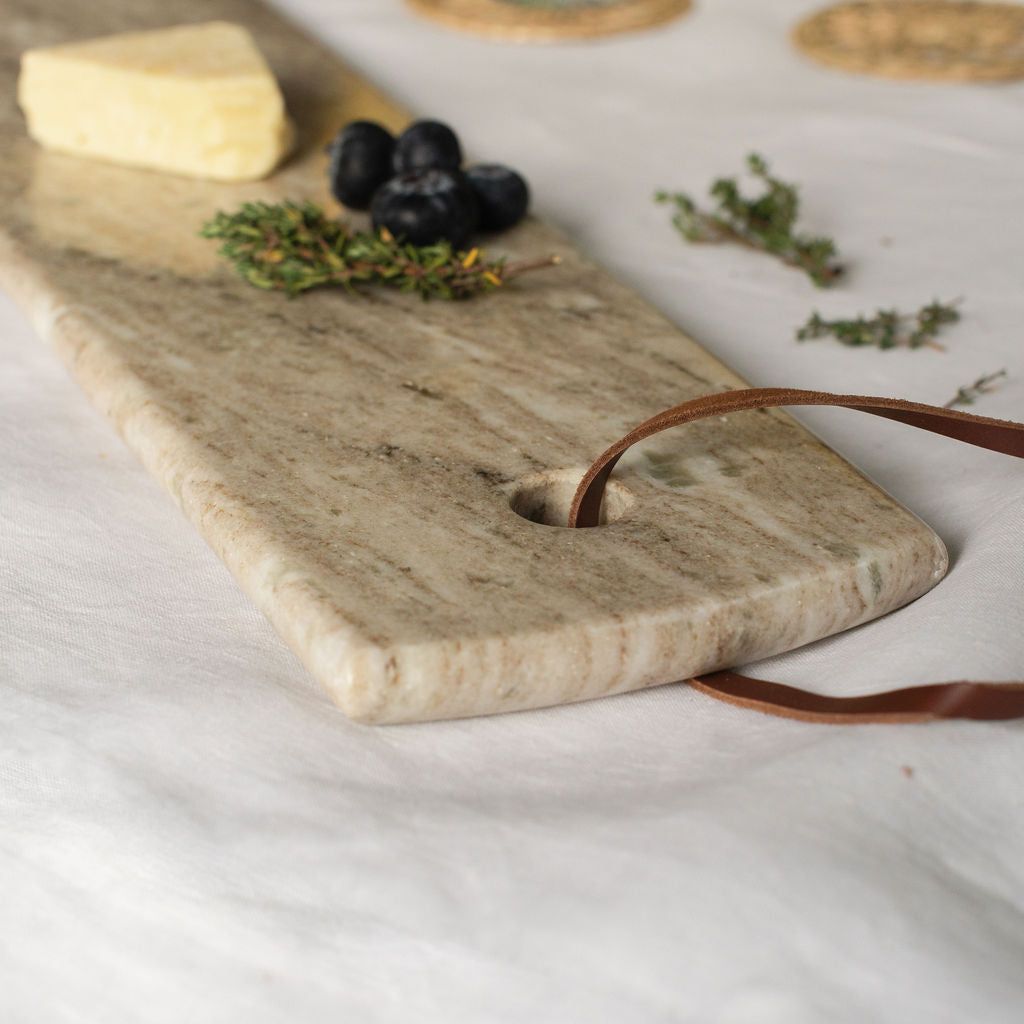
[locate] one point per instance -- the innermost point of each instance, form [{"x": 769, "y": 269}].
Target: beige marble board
[{"x": 358, "y": 464}]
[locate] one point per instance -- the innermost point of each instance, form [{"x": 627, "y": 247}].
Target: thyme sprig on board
[
  {"x": 293, "y": 247},
  {"x": 765, "y": 223},
  {"x": 888, "y": 328}
]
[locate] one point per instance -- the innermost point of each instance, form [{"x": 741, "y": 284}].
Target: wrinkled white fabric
[{"x": 190, "y": 831}]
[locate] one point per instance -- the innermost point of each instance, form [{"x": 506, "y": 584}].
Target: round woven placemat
[
  {"x": 948, "y": 40},
  {"x": 539, "y": 21}
]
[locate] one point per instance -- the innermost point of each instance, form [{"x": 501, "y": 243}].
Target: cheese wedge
[{"x": 198, "y": 100}]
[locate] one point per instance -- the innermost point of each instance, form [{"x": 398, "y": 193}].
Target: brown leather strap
[
  {"x": 998, "y": 435},
  {"x": 983, "y": 701}
]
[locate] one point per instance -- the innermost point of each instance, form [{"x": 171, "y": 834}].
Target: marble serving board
[{"x": 371, "y": 469}]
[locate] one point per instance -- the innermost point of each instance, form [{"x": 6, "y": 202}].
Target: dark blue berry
[
  {"x": 502, "y": 193},
  {"x": 426, "y": 145},
  {"x": 424, "y": 207},
  {"x": 360, "y": 162}
]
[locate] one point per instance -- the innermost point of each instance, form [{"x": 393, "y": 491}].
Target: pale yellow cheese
[{"x": 198, "y": 100}]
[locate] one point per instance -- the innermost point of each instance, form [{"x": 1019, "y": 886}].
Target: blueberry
[
  {"x": 423, "y": 207},
  {"x": 360, "y": 162},
  {"x": 502, "y": 193},
  {"x": 426, "y": 145}
]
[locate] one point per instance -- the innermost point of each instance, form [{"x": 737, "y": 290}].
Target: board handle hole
[{"x": 545, "y": 498}]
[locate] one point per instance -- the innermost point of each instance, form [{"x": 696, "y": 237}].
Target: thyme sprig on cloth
[
  {"x": 293, "y": 247},
  {"x": 765, "y": 223},
  {"x": 888, "y": 328},
  {"x": 970, "y": 393}
]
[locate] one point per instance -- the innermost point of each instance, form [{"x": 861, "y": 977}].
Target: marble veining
[{"x": 373, "y": 470}]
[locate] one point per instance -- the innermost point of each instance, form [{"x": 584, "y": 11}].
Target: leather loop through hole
[{"x": 545, "y": 498}]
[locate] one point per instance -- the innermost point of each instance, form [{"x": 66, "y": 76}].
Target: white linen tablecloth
[{"x": 191, "y": 832}]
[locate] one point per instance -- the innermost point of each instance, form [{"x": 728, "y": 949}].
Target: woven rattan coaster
[
  {"x": 949, "y": 40},
  {"x": 539, "y": 21}
]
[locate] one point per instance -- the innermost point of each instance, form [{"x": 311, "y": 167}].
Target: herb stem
[
  {"x": 827, "y": 273},
  {"x": 525, "y": 266}
]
